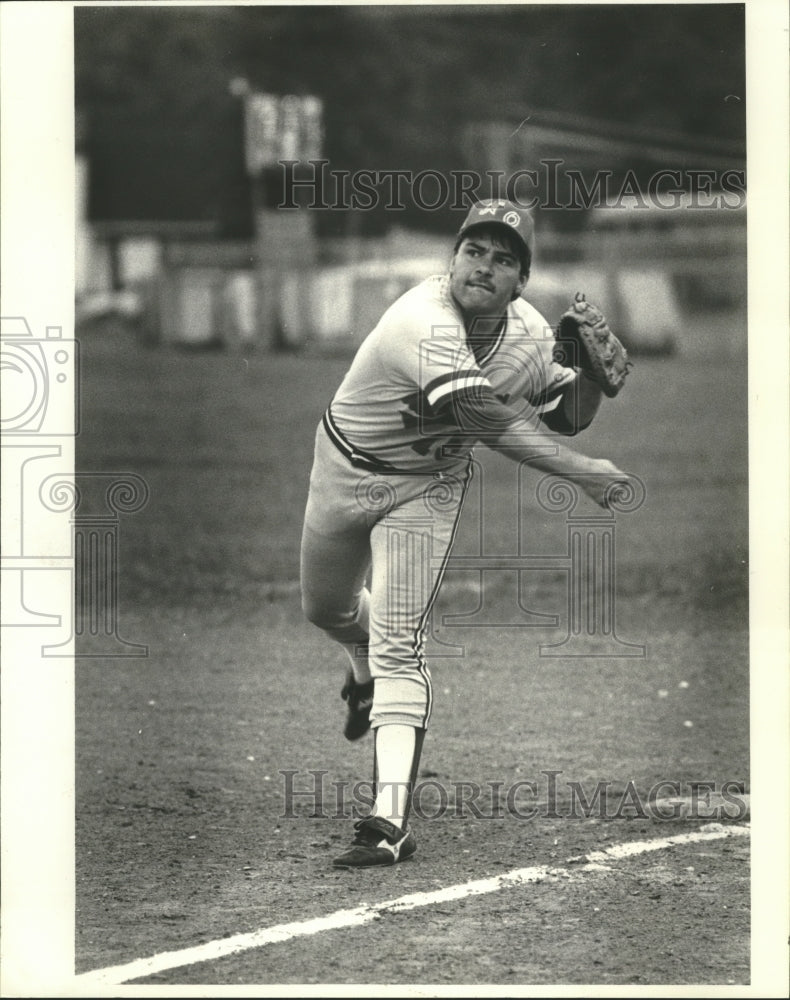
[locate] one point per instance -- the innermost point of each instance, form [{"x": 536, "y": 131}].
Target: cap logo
[
  {"x": 512, "y": 219},
  {"x": 491, "y": 207}
]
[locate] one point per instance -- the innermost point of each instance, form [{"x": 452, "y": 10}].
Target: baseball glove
[{"x": 597, "y": 351}]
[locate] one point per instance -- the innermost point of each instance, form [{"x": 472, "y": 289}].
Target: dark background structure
[{"x": 400, "y": 85}]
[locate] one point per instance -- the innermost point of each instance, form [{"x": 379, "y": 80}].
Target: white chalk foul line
[{"x": 223, "y": 947}]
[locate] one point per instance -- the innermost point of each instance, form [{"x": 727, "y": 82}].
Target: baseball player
[{"x": 461, "y": 358}]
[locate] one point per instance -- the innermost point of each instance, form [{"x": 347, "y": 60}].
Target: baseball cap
[{"x": 504, "y": 213}]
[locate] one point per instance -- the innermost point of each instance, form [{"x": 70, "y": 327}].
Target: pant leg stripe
[{"x": 419, "y": 636}]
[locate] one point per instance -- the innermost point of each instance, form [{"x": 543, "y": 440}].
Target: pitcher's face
[{"x": 485, "y": 275}]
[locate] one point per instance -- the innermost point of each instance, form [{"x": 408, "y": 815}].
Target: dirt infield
[{"x": 197, "y": 766}]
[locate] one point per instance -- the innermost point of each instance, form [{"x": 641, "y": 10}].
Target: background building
[{"x": 175, "y": 208}]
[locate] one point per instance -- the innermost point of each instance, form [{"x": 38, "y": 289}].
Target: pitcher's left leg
[{"x": 410, "y": 548}]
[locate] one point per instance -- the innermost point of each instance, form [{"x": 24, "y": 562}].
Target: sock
[{"x": 397, "y": 750}]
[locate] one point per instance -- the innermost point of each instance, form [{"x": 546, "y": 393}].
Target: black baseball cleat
[
  {"x": 360, "y": 702},
  {"x": 377, "y": 842}
]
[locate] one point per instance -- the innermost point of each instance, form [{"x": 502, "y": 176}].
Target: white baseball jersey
[{"x": 390, "y": 413}]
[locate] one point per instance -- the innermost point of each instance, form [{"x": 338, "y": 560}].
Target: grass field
[{"x": 183, "y": 828}]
